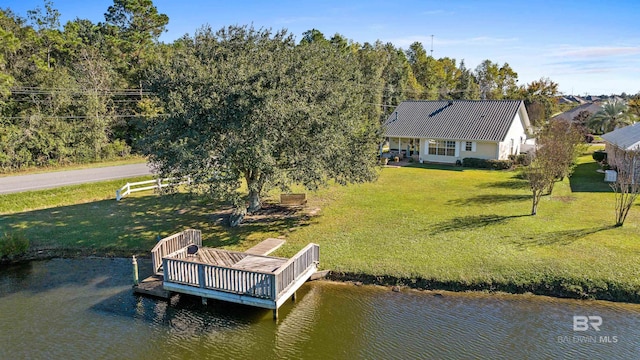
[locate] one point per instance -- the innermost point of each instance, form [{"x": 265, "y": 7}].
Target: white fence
[{"x": 129, "y": 188}]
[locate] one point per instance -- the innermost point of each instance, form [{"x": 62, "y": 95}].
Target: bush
[
  {"x": 116, "y": 149},
  {"x": 487, "y": 164},
  {"x": 588, "y": 138},
  {"x": 520, "y": 159},
  {"x": 12, "y": 245},
  {"x": 500, "y": 164},
  {"x": 599, "y": 156}
]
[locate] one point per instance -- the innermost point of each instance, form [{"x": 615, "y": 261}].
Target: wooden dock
[
  {"x": 249, "y": 277},
  {"x": 152, "y": 286},
  {"x": 266, "y": 247}
]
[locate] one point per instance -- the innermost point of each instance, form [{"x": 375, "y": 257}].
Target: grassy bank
[{"x": 422, "y": 226}]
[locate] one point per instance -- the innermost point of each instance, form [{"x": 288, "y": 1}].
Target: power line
[{"x": 80, "y": 117}]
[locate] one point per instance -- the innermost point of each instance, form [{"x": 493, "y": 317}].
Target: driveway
[{"x": 13, "y": 184}]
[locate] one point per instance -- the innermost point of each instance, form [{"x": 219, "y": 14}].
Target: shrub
[
  {"x": 487, "y": 164},
  {"x": 599, "y": 156},
  {"x": 474, "y": 163},
  {"x": 117, "y": 148},
  {"x": 500, "y": 164},
  {"x": 13, "y": 244},
  {"x": 588, "y": 138},
  {"x": 520, "y": 159}
]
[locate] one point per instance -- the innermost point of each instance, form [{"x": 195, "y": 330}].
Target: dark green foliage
[
  {"x": 80, "y": 91},
  {"x": 246, "y": 105},
  {"x": 487, "y": 164},
  {"x": 599, "y": 156},
  {"x": 520, "y": 159},
  {"x": 13, "y": 245},
  {"x": 63, "y": 90}
]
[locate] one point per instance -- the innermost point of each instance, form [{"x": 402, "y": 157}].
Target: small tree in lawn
[
  {"x": 627, "y": 184},
  {"x": 558, "y": 146},
  {"x": 540, "y": 177}
]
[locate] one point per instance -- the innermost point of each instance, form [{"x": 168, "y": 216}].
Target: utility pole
[{"x": 431, "y": 45}]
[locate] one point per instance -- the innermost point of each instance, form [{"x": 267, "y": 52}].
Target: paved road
[{"x": 12, "y": 184}]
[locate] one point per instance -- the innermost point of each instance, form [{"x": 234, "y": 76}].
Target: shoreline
[{"x": 559, "y": 287}]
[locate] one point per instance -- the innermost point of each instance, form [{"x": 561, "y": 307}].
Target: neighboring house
[
  {"x": 571, "y": 114},
  {"x": 623, "y": 145},
  {"x": 577, "y": 99},
  {"x": 449, "y": 130}
]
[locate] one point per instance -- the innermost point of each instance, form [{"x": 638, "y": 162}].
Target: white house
[
  {"x": 449, "y": 130},
  {"x": 623, "y": 149}
]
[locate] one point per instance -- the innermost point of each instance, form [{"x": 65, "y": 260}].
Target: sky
[{"x": 587, "y": 47}]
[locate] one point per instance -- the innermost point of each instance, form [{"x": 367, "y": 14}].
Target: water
[{"x": 85, "y": 309}]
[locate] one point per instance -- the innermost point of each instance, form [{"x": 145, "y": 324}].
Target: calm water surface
[{"x": 85, "y": 309}]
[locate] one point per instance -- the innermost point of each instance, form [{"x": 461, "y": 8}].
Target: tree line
[{"x": 82, "y": 91}]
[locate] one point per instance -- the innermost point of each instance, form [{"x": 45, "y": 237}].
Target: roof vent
[{"x": 450, "y": 103}]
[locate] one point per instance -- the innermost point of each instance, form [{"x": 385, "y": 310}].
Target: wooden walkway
[
  {"x": 266, "y": 247},
  {"x": 249, "y": 277}
]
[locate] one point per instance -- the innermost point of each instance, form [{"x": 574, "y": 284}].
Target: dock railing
[
  {"x": 173, "y": 244},
  {"x": 258, "y": 284},
  {"x": 129, "y": 188},
  {"x": 211, "y": 277},
  {"x": 289, "y": 272}
]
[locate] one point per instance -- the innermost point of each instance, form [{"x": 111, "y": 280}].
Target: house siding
[
  {"x": 484, "y": 150},
  {"x": 512, "y": 141}
]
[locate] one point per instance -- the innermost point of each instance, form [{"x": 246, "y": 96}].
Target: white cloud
[
  {"x": 474, "y": 41},
  {"x": 598, "y": 51}
]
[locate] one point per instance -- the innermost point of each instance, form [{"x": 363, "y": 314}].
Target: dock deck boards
[
  {"x": 258, "y": 263},
  {"x": 265, "y": 247},
  {"x": 218, "y": 257}
]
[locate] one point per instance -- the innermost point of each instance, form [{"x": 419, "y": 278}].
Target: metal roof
[
  {"x": 485, "y": 120},
  {"x": 570, "y": 114},
  {"x": 626, "y": 138}
]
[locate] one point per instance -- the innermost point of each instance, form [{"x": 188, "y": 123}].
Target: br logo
[{"x": 582, "y": 323}]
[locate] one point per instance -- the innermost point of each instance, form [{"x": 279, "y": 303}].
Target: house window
[
  {"x": 442, "y": 148},
  {"x": 468, "y": 146}
]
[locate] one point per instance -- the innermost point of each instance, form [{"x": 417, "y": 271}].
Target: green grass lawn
[{"x": 433, "y": 223}]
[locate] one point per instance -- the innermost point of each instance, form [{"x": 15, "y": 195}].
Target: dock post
[
  {"x": 293, "y": 297},
  {"x": 136, "y": 280},
  {"x": 204, "y": 301},
  {"x": 275, "y": 314}
]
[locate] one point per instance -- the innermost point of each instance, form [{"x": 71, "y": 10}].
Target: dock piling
[{"x": 136, "y": 279}]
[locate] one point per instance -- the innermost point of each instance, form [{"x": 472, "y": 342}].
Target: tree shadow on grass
[
  {"x": 564, "y": 237},
  {"x": 470, "y": 223},
  {"x": 136, "y": 223},
  {"x": 585, "y": 178},
  {"x": 488, "y": 199},
  {"x": 433, "y": 166},
  {"x": 514, "y": 184}
]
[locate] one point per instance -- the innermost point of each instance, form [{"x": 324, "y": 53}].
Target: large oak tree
[{"x": 246, "y": 105}]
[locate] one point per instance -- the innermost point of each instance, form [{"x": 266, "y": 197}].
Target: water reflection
[{"x": 86, "y": 309}]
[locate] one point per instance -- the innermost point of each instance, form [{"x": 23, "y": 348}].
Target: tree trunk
[
  {"x": 255, "y": 181},
  {"x": 536, "y": 201},
  {"x": 237, "y": 216},
  {"x": 254, "y": 201}
]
